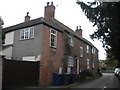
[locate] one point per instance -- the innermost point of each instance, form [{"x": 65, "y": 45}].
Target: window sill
[
  {"x": 53, "y": 49},
  {"x": 71, "y": 45},
  {"x": 26, "y": 39}
]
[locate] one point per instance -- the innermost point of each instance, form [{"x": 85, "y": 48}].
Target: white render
[
  {"x": 7, "y": 52},
  {"x": 9, "y": 37}
]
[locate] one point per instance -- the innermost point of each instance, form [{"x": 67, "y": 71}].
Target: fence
[{"x": 20, "y": 74}]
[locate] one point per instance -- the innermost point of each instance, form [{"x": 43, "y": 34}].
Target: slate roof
[
  {"x": 23, "y": 25},
  {"x": 51, "y": 23}
]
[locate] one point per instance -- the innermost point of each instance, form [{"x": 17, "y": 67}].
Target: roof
[
  {"x": 64, "y": 27},
  {"x": 23, "y": 25},
  {"x": 51, "y": 23},
  {"x": 33, "y": 22}
]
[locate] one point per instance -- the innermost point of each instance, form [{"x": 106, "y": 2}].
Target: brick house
[{"x": 56, "y": 46}]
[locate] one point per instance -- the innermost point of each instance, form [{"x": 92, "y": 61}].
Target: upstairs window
[
  {"x": 27, "y": 33},
  {"x": 81, "y": 51},
  {"x": 53, "y": 38},
  {"x": 87, "y": 48},
  {"x": 70, "y": 40},
  {"x": 93, "y": 50}
]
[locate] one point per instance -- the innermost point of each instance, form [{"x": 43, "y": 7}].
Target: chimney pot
[
  {"x": 49, "y": 12},
  {"x": 47, "y": 3},
  {"x": 79, "y": 27},
  {"x": 76, "y": 27},
  {"x": 27, "y": 17},
  {"x": 78, "y": 31},
  {"x": 51, "y": 3}
]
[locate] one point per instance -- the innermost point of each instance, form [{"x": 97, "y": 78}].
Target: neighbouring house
[{"x": 57, "y": 47}]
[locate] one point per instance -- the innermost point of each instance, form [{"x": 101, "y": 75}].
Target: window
[
  {"x": 93, "y": 50},
  {"x": 70, "y": 40},
  {"x": 81, "y": 51},
  {"x": 93, "y": 65},
  {"x": 27, "y": 33},
  {"x": 87, "y": 48},
  {"x": 88, "y": 63},
  {"x": 53, "y": 38},
  {"x": 32, "y": 32},
  {"x": 70, "y": 61}
]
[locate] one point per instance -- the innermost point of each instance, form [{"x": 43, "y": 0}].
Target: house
[{"x": 57, "y": 47}]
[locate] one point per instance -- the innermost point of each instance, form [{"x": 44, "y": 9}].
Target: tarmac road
[
  {"x": 0, "y": 74},
  {"x": 107, "y": 81}
]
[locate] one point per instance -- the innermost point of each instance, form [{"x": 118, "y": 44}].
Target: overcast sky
[{"x": 67, "y": 12}]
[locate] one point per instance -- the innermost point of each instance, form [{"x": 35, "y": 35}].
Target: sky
[{"x": 67, "y": 12}]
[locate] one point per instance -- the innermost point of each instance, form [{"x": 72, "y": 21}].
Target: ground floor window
[{"x": 88, "y": 63}]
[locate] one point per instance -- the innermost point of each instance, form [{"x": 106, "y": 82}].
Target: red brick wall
[
  {"x": 49, "y": 12},
  {"x": 51, "y": 58},
  {"x": 83, "y": 60}
]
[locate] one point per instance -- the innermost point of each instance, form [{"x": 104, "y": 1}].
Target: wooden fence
[{"x": 20, "y": 74}]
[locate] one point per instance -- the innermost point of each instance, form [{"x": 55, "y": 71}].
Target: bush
[{"x": 85, "y": 75}]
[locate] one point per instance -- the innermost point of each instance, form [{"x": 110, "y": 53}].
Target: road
[
  {"x": 107, "y": 81},
  {"x": 0, "y": 74}
]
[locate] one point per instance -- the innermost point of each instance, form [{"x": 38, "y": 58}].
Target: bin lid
[{"x": 57, "y": 73}]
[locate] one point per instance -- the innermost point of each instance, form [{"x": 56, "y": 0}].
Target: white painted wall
[
  {"x": 9, "y": 38},
  {"x": 7, "y": 52}
]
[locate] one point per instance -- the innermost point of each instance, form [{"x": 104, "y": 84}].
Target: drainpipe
[{"x": 78, "y": 66}]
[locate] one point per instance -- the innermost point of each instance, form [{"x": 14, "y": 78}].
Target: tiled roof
[
  {"x": 64, "y": 27},
  {"x": 33, "y": 22},
  {"x": 52, "y": 23},
  {"x": 23, "y": 25}
]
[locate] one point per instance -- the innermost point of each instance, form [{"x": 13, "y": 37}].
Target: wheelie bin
[
  {"x": 66, "y": 79},
  {"x": 57, "y": 79}
]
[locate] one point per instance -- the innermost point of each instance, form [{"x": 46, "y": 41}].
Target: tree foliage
[
  {"x": 105, "y": 15},
  {"x": 2, "y": 35}
]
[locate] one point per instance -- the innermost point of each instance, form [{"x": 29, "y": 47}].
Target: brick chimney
[
  {"x": 27, "y": 17},
  {"x": 49, "y": 11},
  {"x": 78, "y": 31}
]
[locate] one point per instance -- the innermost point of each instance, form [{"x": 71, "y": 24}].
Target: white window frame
[
  {"x": 70, "y": 40},
  {"x": 27, "y": 33},
  {"x": 88, "y": 48},
  {"x": 54, "y": 39},
  {"x": 88, "y": 63},
  {"x": 32, "y": 32},
  {"x": 81, "y": 51},
  {"x": 70, "y": 61}
]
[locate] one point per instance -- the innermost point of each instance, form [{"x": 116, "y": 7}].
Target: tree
[
  {"x": 105, "y": 15},
  {"x": 2, "y": 35}
]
